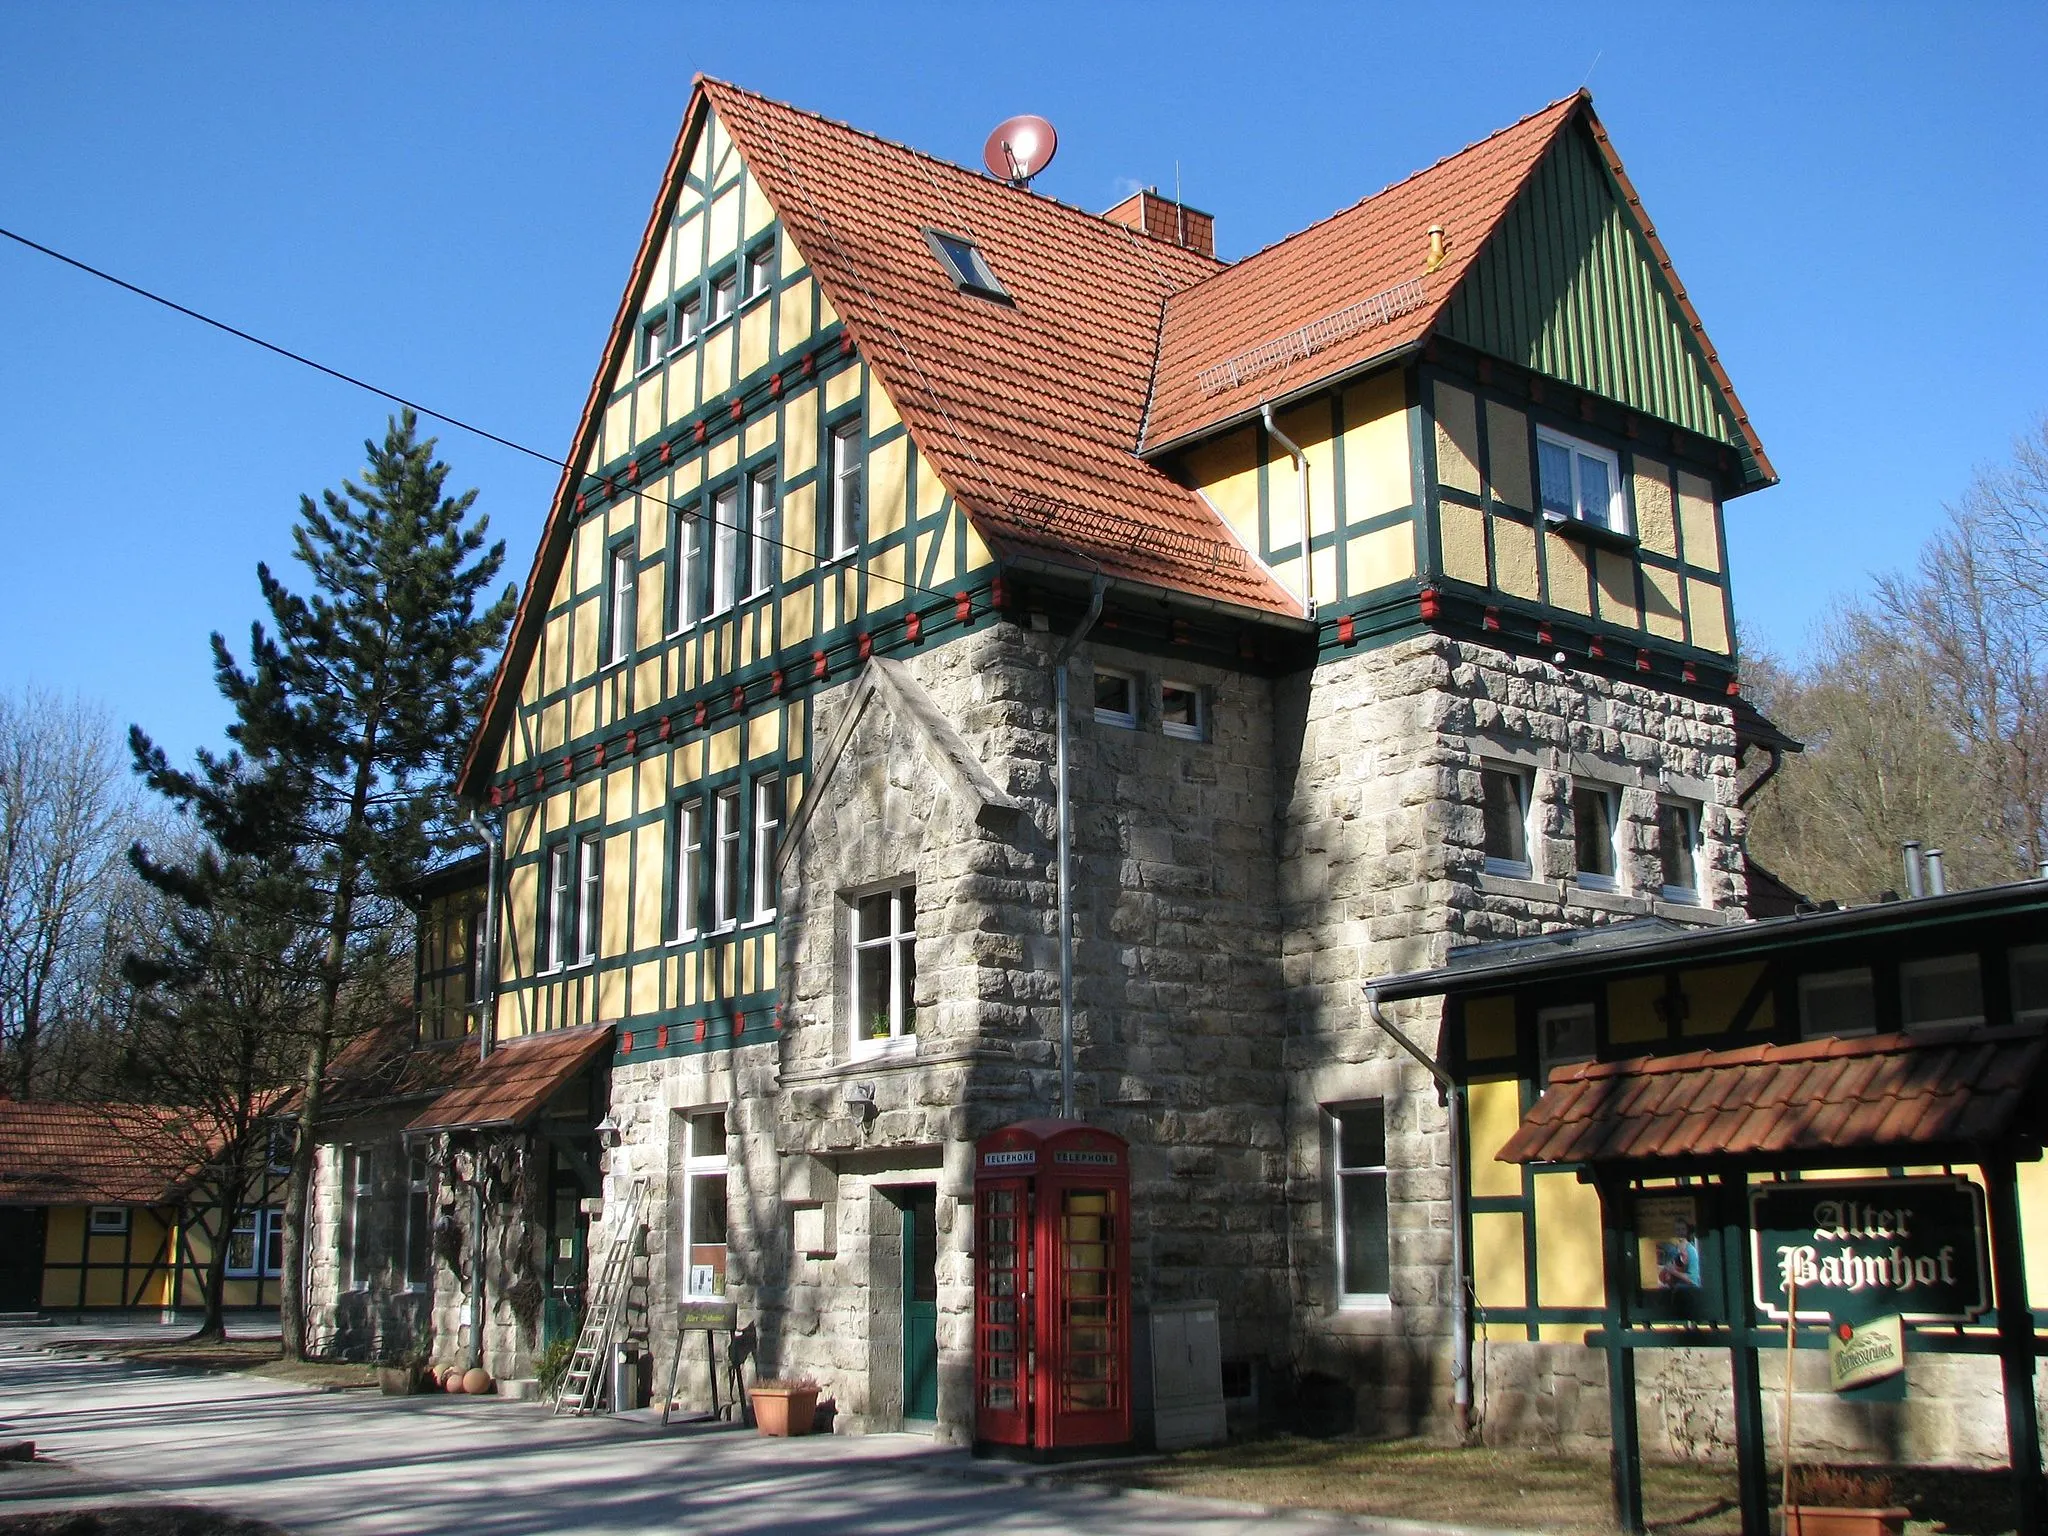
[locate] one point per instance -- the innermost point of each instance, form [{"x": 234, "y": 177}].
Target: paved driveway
[{"x": 359, "y": 1463}]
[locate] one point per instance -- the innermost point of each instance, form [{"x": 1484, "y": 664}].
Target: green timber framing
[{"x": 1653, "y": 992}]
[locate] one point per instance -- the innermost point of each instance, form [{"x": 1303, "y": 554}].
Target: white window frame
[
  {"x": 620, "y": 592},
  {"x": 900, "y": 941},
  {"x": 358, "y": 1187},
  {"x": 1565, "y": 1035},
  {"x": 1616, "y": 519},
  {"x": 1127, "y": 719},
  {"x": 725, "y": 298},
  {"x": 1693, "y": 895},
  {"x": 689, "y": 323},
  {"x": 1594, "y": 880},
  {"x": 686, "y": 887},
  {"x": 757, "y": 272},
  {"x": 559, "y": 893},
  {"x": 686, "y": 557},
  {"x": 1524, "y": 781},
  {"x": 763, "y": 504},
  {"x": 725, "y": 861},
  {"x": 1199, "y": 730},
  {"x": 1341, "y": 1173},
  {"x": 263, "y": 1225},
  {"x": 419, "y": 1222},
  {"x": 108, "y": 1221},
  {"x": 1816, "y": 984},
  {"x": 589, "y": 895},
  {"x": 848, "y": 470},
  {"x": 1969, "y": 962},
  {"x": 654, "y": 343},
  {"x": 725, "y": 548},
  {"x": 700, "y": 1165},
  {"x": 768, "y": 812}
]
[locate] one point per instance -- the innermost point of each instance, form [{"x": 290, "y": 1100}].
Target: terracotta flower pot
[
  {"x": 781, "y": 1409},
  {"x": 477, "y": 1382},
  {"x": 398, "y": 1380},
  {"x": 1829, "y": 1520}
]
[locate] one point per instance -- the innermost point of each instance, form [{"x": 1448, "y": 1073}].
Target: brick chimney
[{"x": 1164, "y": 219}]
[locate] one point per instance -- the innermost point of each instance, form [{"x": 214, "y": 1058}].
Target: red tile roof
[
  {"x": 389, "y": 1065},
  {"x": 1883, "y": 1098},
  {"x": 1030, "y": 411},
  {"x": 1375, "y": 247},
  {"x": 97, "y": 1154},
  {"x": 516, "y": 1081}
]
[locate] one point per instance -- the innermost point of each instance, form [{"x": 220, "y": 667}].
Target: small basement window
[
  {"x": 1180, "y": 711},
  {"x": 962, "y": 261},
  {"x": 1116, "y": 698}
]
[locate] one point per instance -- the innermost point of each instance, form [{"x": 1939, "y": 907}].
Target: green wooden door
[{"x": 920, "y": 1305}]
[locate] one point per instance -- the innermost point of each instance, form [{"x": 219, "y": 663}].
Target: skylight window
[{"x": 962, "y": 261}]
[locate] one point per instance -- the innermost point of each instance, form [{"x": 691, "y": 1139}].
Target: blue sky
[{"x": 445, "y": 199}]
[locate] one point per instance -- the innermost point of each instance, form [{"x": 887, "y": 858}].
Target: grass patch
[
  {"x": 1527, "y": 1490},
  {"x": 254, "y": 1357}
]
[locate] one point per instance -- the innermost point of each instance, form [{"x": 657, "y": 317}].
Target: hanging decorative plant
[
  {"x": 449, "y": 1243},
  {"x": 524, "y": 1297}
]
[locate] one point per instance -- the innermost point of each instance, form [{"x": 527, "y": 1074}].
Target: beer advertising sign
[{"x": 1853, "y": 1250}]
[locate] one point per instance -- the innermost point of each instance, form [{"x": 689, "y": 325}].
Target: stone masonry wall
[
  {"x": 1381, "y": 871},
  {"x": 376, "y": 1317}
]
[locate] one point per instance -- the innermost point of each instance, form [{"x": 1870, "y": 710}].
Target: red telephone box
[{"x": 1052, "y": 1286}]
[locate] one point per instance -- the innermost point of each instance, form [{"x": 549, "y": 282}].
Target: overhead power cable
[{"x": 689, "y": 512}]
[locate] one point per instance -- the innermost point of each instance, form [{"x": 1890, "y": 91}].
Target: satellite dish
[{"x": 1019, "y": 149}]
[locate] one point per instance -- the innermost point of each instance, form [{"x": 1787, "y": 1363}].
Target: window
[
  {"x": 558, "y": 924},
  {"x": 1580, "y": 483},
  {"x": 1563, "y": 1036},
  {"x": 1678, "y": 849},
  {"x": 1116, "y": 698},
  {"x": 1505, "y": 795},
  {"x": 686, "y": 879},
  {"x": 589, "y": 897},
  {"x": 2030, "y": 984},
  {"x": 761, "y": 521},
  {"x": 689, "y": 322},
  {"x": 1593, "y": 836},
  {"x": 962, "y": 261},
  {"x": 653, "y": 342},
  {"x": 686, "y": 569},
  {"x": 704, "y": 1174},
  {"x": 280, "y": 1141},
  {"x": 109, "y": 1220},
  {"x": 619, "y": 643},
  {"x": 725, "y": 876},
  {"x": 724, "y": 295},
  {"x": 256, "y": 1245},
  {"x": 1837, "y": 1003},
  {"x": 760, "y": 269},
  {"x": 1949, "y": 990},
  {"x": 1181, "y": 712},
  {"x": 846, "y": 488},
  {"x": 726, "y": 548},
  {"x": 767, "y": 827},
  {"x": 884, "y": 966},
  {"x": 1358, "y": 1140},
  {"x": 358, "y": 1204},
  {"x": 419, "y": 1221}
]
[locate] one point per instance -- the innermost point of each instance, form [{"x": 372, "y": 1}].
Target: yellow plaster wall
[
  {"x": 1568, "y": 1272},
  {"x": 1499, "y": 1273},
  {"x": 1493, "y": 1109},
  {"x": 1708, "y": 605},
  {"x": 1567, "y": 565},
  {"x": 1507, "y": 456},
  {"x": 1380, "y": 559},
  {"x": 1490, "y": 1027},
  {"x": 1617, "y": 587},
  {"x": 1655, "y": 524},
  {"x": 1378, "y": 474},
  {"x": 1457, "y": 438},
  {"x": 1698, "y": 523},
  {"x": 1226, "y": 471},
  {"x": 1662, "y": 615},
  {"x": 1464, "y": 536},
  {"x": 1514, "y": 558},
  {"x": 1632, "y": 1016}
]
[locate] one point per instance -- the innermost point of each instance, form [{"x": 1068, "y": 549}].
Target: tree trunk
[{"x": 234, "y": 1195}]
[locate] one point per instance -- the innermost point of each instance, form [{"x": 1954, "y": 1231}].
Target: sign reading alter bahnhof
[{"x": 1856, "y": 1249}]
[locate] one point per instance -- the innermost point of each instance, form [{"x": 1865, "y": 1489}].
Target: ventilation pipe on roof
[
  {"x": 1439, "y": 248},
  {"x": 1916, "y": 878},
  {"x": 1308, "y": 564},
  {"x": 1096, "y": 587},
  {"x": 1937, "y": 877},
  {"x": 1452, "y": 1097}
]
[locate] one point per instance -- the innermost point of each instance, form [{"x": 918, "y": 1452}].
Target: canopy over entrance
[{"x": 514, "y": 1083}]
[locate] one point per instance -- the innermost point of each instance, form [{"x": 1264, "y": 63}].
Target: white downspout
[
  {"x": 1308, "y": 564},
  {"x": 1461, "y": 1305}
]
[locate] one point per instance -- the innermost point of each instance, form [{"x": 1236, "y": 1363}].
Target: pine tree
[{"x": 353, "y": 708}]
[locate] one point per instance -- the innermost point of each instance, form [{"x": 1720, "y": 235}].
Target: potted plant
[
  {"x": 784, "y": 1407},
  {"x": 1834, "y": 1501}
]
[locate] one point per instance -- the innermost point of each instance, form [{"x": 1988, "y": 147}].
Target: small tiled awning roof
[
  {"x": 512, "y": 1085},
  {"x": 1884, "y": 1098}
]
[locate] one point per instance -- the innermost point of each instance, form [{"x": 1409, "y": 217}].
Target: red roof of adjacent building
[
  {"x": 1882, "y": 1098},
  {"x": 515, "y": 1082},
  {"x": 98, "y": 1154}
]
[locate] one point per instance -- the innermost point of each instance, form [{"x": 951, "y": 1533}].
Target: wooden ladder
[{"x": 583, "y": 1384}]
